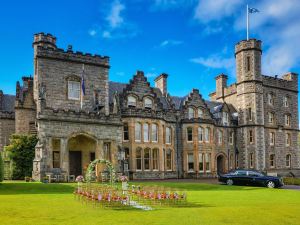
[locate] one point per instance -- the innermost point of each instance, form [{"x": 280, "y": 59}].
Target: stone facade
[{"x": 79, "y": 115}]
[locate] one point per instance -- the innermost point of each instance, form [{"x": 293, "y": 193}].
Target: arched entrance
[
  {"x": 81, "y": 150},
  {"x": 220, "y": 164}
]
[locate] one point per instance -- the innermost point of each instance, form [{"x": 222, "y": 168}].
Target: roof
[
  {"x": 115, "y": 87},
  {"x": 8, "y": 103}
]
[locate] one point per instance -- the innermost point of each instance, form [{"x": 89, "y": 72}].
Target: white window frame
[
  {"x": 154, "y": 132},
  {"x": 220, "y": 137},
  {"x": 138, "y": 132},
  {"x": 191, "y": 113},
  {"x": 74, "y": 90},
  {"x": 225, "y": 118},
  {"x": 148, "y": 102},
  {"x": 146, "y": 136},
  {"x": 207, "y": 134},
  {"x": 201, "y": 160},
  {"x": 168, "y": 135},
  {"x": 231, "y": 137},
  {"x": 188, "y": 161},
  {"x": 200, "y": 134},
  {"x": 208, "y": 162}
]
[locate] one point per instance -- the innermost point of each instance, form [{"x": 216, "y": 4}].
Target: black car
[{"x": 250, "y": 177}]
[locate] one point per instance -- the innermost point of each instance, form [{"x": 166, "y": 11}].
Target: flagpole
[
  {"x": 81, "y": 93},
  {"x": 247, "y": 23}
]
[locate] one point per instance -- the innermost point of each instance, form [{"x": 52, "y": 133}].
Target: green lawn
[{"x": 36, "y": 203}]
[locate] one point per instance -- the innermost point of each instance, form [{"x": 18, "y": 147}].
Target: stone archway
[
  {"x": 81, "y": 149},
  {"x": 220, "y": 163}
]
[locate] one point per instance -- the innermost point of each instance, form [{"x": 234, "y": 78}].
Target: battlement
[
  {"x": 42, "y": 39},
  {"x": 69, "y": 55},
  {"x": 251, "y": 44},
  {"x": 287, "y": 81}
]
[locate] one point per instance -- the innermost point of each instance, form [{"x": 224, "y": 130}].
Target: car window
[
  {"x": 254, "y": 174},
  {"x": 241, "y": 173}
]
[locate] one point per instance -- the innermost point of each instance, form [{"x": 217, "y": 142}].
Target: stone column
[{"x": 64, "y": 155}]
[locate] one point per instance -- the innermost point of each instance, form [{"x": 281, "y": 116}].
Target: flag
[
  {"x": 253, "y": 10},
  {"x": 82, "y": 86}
]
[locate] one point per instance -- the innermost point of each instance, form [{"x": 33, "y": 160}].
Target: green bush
[
  {"x": 291, "y": 181},
  {"x": 21, "y": 152},
  {"x": 1, "y": 169}
]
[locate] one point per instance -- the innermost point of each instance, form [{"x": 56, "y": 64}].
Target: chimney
[
  {"x": 221, "y": 84},
  {"x": 161, "y": 83}
]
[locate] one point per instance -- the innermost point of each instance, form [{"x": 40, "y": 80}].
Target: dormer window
[
  {"x": 270, "y": 99},
  {"x": 191, "y": 113},
  {"x": 148, "y": 104},
  {"x": 225, "y": 118},
  {"x": 200, "y": 113},
  {"x": 131, "y": 101},
  {"x": 73, "y": 90}
]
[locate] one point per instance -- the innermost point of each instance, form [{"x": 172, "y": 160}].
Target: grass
[
  {"x": 37, "y": 203},
  {"x": 291, "y": 181}
]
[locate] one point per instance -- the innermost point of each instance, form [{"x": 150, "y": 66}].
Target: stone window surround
[
  {"x": 231, "y": 137},
  {"x": 287, "y": 120},
  {"x": 149, "y": 99},
  {"x": 191, "y": 112},
  {"x": 288, "y": 160},
  {"x": 272, "y": 160},
  {"x": 150, "y": 134},
  {"x": 272, "y": 138},
  {"x": 251, "y": 138},
  {"x": 270, "y": 98},
  {"x": 72, "y": 78},
  {"x": 220, "y": 137},
  {"x": 131, "y": 100},
  {"x": 286, "y": 101},
  {"x": 251, "y": 160},
  {"x": 189, "y": 133}
]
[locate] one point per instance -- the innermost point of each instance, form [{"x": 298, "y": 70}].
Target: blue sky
[{"x": 191, "y": 40}]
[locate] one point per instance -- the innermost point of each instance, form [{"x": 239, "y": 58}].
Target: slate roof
[
  {"x": 115, "y": 87},
  {"x": 8, "y": 103}
]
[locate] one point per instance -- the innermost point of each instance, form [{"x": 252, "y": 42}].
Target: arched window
[
  {"x": 169, "y": 159},
  {"x": 200, "y": 113},
  {"x": 147, "y": 159},
  {"x": 287, "y": 120},
  {"x": 200, "y": 134},
  {"x": 138, "y": 156},
  {"x": 288, "y": 161},
  {"x": 168, "y": 135},
  {"x": 131, "y": 101},
  {"x": 286, "y": 101},
  {"x": 272, "y": 160},
  {"x": 207, "y": 134},
  {"x": 125, "y": 132},
  {"x": 148, "y": 103},
  {"x": 191, "y": 113},
  {"x": 154, "y": 133},
  {"x": 146, "y": 132},
  {"x": 138, "y": 132},
  {"x": 189, "y": 132},
  {"x": 155, "y": 155}
]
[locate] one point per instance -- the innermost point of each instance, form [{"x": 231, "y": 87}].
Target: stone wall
[{"x": 7, "y": 128}]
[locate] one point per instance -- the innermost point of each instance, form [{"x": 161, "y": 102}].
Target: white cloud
[
  {"x": 92, "y": 32},
  {"x": 172, "y": 4},
  {"x": 170, "y": 42},
  {"x": 150, "y": 75},
  {"x": 106, "y": 34},
  {"x": 217, "y": 62},
  {"x": 114, "y": 17}
]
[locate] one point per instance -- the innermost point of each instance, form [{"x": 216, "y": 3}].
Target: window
[
  {"x": 168, "y": 135},
  {"x": 287, "y": 119},
  {"x": 220, "y": 137},
  {"x": 190, "y": 158},
  {"x": 191, "y": 113},
  {"x": 146, "y": 132},
  {"x": 272, "y": 160},
  {"x": 200, "y": 113},
  {"x": 200, "y": 134},
  {"x": 138, "y": 155},
  {"x": 154, "y": 134},
  {"x": 127, "y": 158},
  {"x": 207, "y": 162},
  {"x": 189, "y": 132},
  {"x": 56, "y": 159},
  {"x": 288, "y": 161},
  {"x": 106, "y": 150},
  {"x": 271, "y": 118},
  {"x": 251, "y": 160},
  {"x": 138, "y": 132},
  {"x": 288, "y": 139},
  {"x": 251, "y": 139},
  {"x": 169, "y": 159},
  {"x": 147, "y": 159},
  {"x": 272, "y": 138},
  {"x": 73, "y": 90},
  {"x": 148, "y": 103},
  {"x": 231, "y": 161},
  {"x": 92, "y": 156},
  {"x": 155, "y": 159},
  {"x": 286, "y": 101},
  {"x": 237, "y": 161},
  {"x": 231, "y": 137},
  {"x": 125, "y": 132},
  {"x": 131, "y": 101},
  {"x": 225, "y": 118},
  {"x": 248, "y": 63},
  {"x": 250, "y": 114},
  {"x": 201, "y": 162},
  {"x": 207, "y": 134},
  {"x": 270, "y": 99}
]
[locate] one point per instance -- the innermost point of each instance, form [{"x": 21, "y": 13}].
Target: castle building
[{"x": 79, "y": 115}]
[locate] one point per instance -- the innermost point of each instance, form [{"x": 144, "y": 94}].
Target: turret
[{"x": 45, "y": 40}]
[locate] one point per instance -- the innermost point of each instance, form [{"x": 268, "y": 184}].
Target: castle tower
[{"x": 251, "y": 144}]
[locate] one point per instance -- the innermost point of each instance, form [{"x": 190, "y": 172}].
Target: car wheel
[
  {"x": 229, "y": 182},
  {"x": 270, "y": 184}
]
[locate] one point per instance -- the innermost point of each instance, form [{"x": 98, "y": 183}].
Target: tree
[
  {"x": 21, "y": 153},
  {"x": 1, "y": 169}
]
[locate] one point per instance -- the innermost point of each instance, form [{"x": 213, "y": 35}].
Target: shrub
[
  {"x": 21, "y": 152},
  {"x": 1, "y": 169},
  {"x": 291, "y": 181}
]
